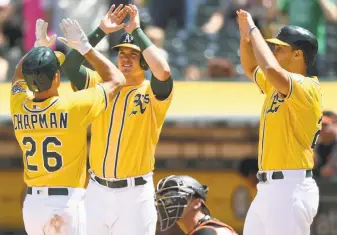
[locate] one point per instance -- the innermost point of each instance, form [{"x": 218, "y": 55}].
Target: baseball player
[
  {"x": 120, "y": 194},
  {"x": 287, "y": 197},
  {"x": 44, "y": 126},
  {"x": 181, "y": 199}
]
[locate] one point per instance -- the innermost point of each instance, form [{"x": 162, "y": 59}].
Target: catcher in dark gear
[{"x": 182, "y": 200}]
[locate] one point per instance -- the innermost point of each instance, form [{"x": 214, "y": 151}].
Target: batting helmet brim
[
  {"x": 128, "y": 45},
  {"x": 277, "y": 41},
  {"x": 60, "y": 56}
]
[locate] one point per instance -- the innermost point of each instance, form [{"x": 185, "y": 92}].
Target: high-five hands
[
  {"x": 42, "y": 39},
  {"x": 74, "y": 36},
  {"x": 112, "y": 21},
  {"x": 246, "y": 23}
]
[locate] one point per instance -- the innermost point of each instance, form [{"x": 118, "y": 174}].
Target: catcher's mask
[
  {"x": 174, "y": 193},
  {"x": 127, "y": 40}
]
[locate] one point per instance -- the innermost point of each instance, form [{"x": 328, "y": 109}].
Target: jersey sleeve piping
[
  {"x": 255, "y": 79},
  {"x": 105, "y": 96}
]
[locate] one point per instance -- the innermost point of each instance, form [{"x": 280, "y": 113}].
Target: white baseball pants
[
  {"x": 125, "y": 211},
  {"x": 45, "y": 214},
  {"x": 283, "y": 206}
]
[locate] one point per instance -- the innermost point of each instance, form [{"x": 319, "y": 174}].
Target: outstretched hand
[
  {"x": 245, "y": 22},
  {"x": 112, "y": 21},
  {"x": 134, "y": 22},
  {"x": 42, "y": 38},
  {"x": 74, "y": 36}
]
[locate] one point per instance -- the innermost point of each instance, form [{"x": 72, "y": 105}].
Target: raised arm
[
  {"x": 112, "y": 78},
  {"x": 330, "y": 10},
  {"x": 153, "y": 57},
  {"x": 18, "y": 72},
  {"x": 42, "y": 39},
  {"x": 247, "y": 57},
  {"x": 274, "y": 73},
  {"x": 72, "y": 66}
]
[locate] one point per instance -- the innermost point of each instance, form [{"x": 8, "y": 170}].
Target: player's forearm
[
  {"x": 157, "y": 63},
  {"x": 247, "y": 58},
  {"x": 104, "y": 67},
  {"x": 18, "y": 72},
  {"x": 72, "y": 65},
  {"x": 329, "y": 9},
  {"x": 274, "y": 73}
]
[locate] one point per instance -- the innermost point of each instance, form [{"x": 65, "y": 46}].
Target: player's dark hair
[{"x": 330, "y": 114}]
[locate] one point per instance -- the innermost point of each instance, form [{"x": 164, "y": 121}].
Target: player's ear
[
  {"x": 57, "y": 79},
  {"x": 197, "y": 203},
  {"x": 298, "y": 54}
]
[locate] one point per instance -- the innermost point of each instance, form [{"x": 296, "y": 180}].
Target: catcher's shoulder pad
[
  {"x": 205, "y": 231},
  {"x": 209, "y": 227}
]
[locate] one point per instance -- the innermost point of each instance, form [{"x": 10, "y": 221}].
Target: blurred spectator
[
  {"x": 164, "y": 12},
  {"x": 248, "y": 168},
  {"x": 227, "y": 11},
  {"x": 31, "y": 10},
  {"x": 4, "y": 65},
  {"x": 327, "y": 144},
  {"x": 220, "y": 68},
  {"x": 311, "y": 15},
  {"x": 157, "y": 36},
  {"x": 192, "y": 72},
  {"x": 53, "y": 14},
  {"x": 10, "y": 37},
  {"x": 87, "y": 12}
]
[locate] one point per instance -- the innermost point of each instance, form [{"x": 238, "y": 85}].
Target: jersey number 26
[{"x": 52, "y": 161}]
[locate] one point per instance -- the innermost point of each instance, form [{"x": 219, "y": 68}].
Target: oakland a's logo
[
  {"x": 140, "y": 102},
  {"x": 128, "y": 38},
  {"x": 275, "y": 105}
]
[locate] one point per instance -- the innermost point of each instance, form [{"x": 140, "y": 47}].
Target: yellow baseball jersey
[
  {"x": 53, "y": 134},
  {"x": 124, "y": 137},
  {"x": 289, "y": 125}
]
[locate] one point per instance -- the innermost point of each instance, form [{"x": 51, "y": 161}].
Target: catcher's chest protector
[{"x": 210, "y": 227}]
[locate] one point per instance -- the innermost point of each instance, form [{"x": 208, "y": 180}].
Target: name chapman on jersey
[{"x": 43, "y": 120}]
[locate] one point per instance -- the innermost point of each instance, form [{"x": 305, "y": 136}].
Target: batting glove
[
  {"x": 42, "y": 38},
  {"x": 74, "y": 36}
]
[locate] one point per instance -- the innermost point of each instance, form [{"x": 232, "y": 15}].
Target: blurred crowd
[
  {"x": 326, "y": 148},
  {"x": 200, "y": 38}
]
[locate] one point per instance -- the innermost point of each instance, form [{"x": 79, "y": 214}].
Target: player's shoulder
[
  {"x": 19, "y": 87},
  {"x": 310, "y": 80}
]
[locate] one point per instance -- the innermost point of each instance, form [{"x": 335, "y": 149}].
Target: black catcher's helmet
[{"x": 173, "y": 195}]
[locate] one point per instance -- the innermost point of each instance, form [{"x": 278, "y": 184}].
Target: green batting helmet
[
  {"x": 299, "y": 39},
  {"x": 39, "y": 67},
  {"x": 127, "y": 40}
]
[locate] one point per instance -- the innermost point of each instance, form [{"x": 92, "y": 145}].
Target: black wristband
[
  {"x": 141, "y": 39},
  {"x": 96, "y": 36}
]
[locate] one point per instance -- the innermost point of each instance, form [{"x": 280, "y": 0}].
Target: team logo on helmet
[{"x": 128, "y": 38}]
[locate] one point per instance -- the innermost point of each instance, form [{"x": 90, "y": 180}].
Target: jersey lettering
[
  {"x": 44, "y": 120},
  {"x": 275, "y": 105}
]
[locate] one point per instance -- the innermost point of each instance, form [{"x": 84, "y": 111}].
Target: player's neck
[
  {"x": 134, "y": 80},
  {"x": 296, "y": 68},
  {"x": 45, "y": 94},
  {"x": 188, "y": 223}
]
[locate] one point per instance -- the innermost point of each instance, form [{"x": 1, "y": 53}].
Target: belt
[
  {"x": 278, "y": 175},
  {"x": 118, "y": 183},
  {"x": 51, "y": 191}
]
